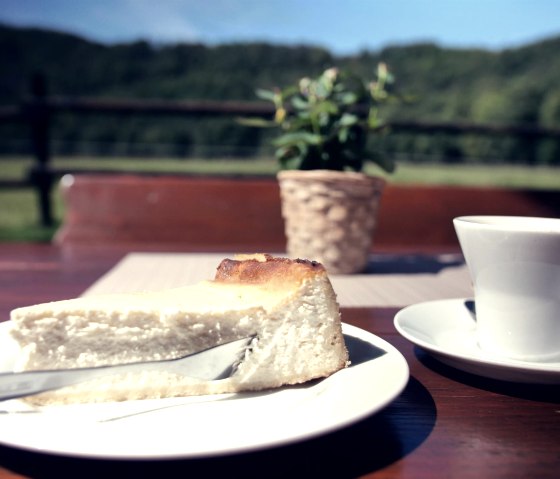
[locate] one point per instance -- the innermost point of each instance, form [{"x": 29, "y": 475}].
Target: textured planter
[{"x": 330, "y": 216}]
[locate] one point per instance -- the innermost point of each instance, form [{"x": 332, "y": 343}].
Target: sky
[{"x": 342, "y": 26}]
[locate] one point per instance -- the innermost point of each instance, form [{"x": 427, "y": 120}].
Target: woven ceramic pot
[{"x": 330, "y": 216}]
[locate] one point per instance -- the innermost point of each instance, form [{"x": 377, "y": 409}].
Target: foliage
[
  {"x": 325, "y": 121},
  {"x": 513, "y": 86}
]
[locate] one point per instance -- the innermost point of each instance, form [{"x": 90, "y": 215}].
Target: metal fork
[{"x": 218, "y": 362}]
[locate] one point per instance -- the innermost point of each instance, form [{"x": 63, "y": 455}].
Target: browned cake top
[{"x": 264, "y": 268}]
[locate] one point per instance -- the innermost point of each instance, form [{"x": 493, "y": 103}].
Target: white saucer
[{"x": 446, "y": 329}]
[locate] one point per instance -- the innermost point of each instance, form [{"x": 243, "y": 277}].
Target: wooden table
[{"x": 445, "y": 423}]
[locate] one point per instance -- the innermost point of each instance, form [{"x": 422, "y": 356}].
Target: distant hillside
[
  {"x": 75, "y": 66},
  {"x": 515, "y": 86}
]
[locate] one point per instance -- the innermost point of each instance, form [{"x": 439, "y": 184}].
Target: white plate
[
  {"x": 446, "y": 329},
  {"x": 211, "y": 425}
]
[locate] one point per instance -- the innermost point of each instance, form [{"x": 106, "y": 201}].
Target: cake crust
[{"x": 264, "y": 268}]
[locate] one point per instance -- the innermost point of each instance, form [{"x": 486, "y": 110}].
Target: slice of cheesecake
[{"x": 288, "y": 305}]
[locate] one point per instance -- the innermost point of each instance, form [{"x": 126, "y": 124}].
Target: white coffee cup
[{"x": 514, "y": 263}]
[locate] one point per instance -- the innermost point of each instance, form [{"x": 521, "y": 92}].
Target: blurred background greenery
[{"x": 519, "y": 86}]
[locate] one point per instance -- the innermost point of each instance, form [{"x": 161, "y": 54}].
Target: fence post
[{"x": 40, "y": 174}]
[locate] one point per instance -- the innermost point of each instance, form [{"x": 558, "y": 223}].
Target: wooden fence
[{"x": 39, "y": 109}]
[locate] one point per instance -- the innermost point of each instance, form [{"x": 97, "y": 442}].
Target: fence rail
[{"x": 39, "y": 109}]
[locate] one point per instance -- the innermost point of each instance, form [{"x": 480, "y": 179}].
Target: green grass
[
  {"x": 19, "y": 216},
  {"x": 506, "y": 176},
  {"x": 19, "y": 213},
  {"x": 16, "y": 168}
]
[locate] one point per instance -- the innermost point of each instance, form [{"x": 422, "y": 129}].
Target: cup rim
[{"x": 525, "y": 224}]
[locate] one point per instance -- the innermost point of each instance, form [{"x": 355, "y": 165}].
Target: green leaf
[
  {"x": 348, "y": 98},
  {"x": 296, "y": 138},
  {"x": 291, "y": 157},
  {"x": 256, "y": 122},
  {"x": 348, "y": 119},
  {"x": 299, "y": 103},
  {"x": 290, "y": 91},
  {"x": 266, "y": 94},
  {"x": 326, "y": 107},
  {"x": 302, "y": 122}
]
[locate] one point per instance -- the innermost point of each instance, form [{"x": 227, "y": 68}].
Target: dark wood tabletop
[{"x": 445, "y": 423}]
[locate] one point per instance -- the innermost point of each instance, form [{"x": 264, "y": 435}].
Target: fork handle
[{"x": 16, "y": 385}]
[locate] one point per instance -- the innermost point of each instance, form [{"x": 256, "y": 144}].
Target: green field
[{"x": 19, "y": 215}]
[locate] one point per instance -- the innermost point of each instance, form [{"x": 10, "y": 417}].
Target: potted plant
[{"x": 329, "y": 205}]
